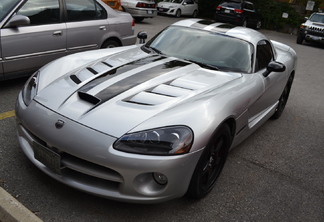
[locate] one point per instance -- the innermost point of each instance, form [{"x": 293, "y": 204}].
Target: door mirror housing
[
  {"x": 142, "y": 36},
  {"x": 274, "y": 67},
  {"x": 18, "y": 20}
]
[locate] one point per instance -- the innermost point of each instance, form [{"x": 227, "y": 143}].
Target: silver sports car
[{"x": 151, "y": 122}]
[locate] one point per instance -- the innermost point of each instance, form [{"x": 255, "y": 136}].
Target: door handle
[
  {"x": 102, "y": 28},
  {"x": 57, "y": 33}
]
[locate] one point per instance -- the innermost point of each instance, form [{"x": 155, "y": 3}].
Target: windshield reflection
[{"x": 204, "y": 48}]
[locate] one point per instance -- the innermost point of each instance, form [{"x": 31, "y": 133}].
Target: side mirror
[
  {"x": 274, "y": 67},
  {"x": 142, "y": 36},
  {"x": 18, "y": 20}
]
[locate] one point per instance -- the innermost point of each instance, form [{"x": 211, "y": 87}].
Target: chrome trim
[
  {"x": 34, "y": 54},
  {"x": 83, "y": 47}
]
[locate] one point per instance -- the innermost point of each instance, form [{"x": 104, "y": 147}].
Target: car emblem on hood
[{"x": 59, "y": 124}]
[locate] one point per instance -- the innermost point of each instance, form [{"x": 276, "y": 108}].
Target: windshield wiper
[
  {"x": 156, "y": 50},
  {"x": 204, "y": 65}
]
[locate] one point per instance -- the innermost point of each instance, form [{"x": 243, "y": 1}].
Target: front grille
[
  {"x": 82, "y": 171},
  {"x": 162, "y": 9},
  {"x": 316, "y": 29}
]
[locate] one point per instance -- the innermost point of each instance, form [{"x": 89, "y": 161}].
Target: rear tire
[
  {"x": 244, "y": 23},
  {"x": 211, "y": 163},
  {"x": 110, "y": 44},
  {"x": 258, "y": 25},
  {"x": 138, "y": 19}
]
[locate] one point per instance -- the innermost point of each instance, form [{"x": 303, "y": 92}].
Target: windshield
[
  {"x": 173, "y": 1},
  {"x": 317, "y": 18},
  {"x": 6, "y": 6},
  {"x": 202, "y": 47}
]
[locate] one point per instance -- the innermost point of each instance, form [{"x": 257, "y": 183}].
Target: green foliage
[{"x": 270, "y": 10}]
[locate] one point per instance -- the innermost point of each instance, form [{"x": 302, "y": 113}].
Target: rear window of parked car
[{"x": 82, "y": 10}]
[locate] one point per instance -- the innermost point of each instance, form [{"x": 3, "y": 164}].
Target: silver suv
[
  {"x": 312, "y": 29},
  {"x": 35, "y": 32}
]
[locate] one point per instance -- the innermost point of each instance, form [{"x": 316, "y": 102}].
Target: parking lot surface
[{"x": 275, "y": 175}]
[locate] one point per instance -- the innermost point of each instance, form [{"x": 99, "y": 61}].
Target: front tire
[
  {"x": 283, "y": 99},
  {"x": 300, "y": 39},
  {"x": 178, "y": 13},
  {"x": 194, "y": 14},
  {"x": 211, "y": 163}
]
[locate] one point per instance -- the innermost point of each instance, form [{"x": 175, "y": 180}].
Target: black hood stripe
[
  {"x": 134, "y": 80},
  {"x": 119, "y": 70},
  {"x": 139, "y": 78}
]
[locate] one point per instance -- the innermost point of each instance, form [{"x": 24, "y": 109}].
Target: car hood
[
  {"x": 318, "y": 24},
  {"x": 116, "y": 93}
]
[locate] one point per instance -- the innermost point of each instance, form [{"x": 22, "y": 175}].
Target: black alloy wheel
[
  {"x": 211, "y": 163},
  {"x": 283, "y": 99},
  {"x": 110, "y": 44}
]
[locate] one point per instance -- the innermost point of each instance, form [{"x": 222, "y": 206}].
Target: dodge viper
[{"x": 154, "y": 121}]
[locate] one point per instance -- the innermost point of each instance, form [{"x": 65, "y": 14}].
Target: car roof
[{"x": 240, "y": 32}]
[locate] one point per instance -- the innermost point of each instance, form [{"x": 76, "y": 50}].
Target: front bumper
[
  {"x": 88, "y": 162},
  {"x": 167, "y": 11},
  {"x": 313, "y": 35}
]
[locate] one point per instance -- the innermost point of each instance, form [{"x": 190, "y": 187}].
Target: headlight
[
  {"x": 163, "y": 141},
  {"x": 303, "y": 26},
  {"x": 30, "y": 88}
]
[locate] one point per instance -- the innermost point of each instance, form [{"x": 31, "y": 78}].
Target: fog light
[{"x": 160, "y": 178}]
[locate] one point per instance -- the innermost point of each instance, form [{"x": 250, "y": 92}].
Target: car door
[
  {"x": 273, "y": 83},
  {"x": 188, "y": 7},
  {"x": 26, "y": 48},
  {"x": 87, "y": 25},
  {"x": 250, "y": 11}
]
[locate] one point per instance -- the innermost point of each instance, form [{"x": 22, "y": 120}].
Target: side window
[
  {"x": 41, "y": 12},
  {"x": 84, "y": 10},
  {"x": 249, "y": 6},
  {"x": 264, "y": 55}
]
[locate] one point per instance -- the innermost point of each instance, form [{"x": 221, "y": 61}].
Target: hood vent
[
  {"x": 89, "y": 72},
  {"x": 167, "y": 92}
]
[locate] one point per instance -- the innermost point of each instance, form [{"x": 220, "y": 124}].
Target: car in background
[
  {"x": 152, "y": 122},
  {"x": 114, "y": 4},
  {"x": 312, "y": 30},
  {"x": 35, "y": 32},
  {"x": 238, "y": 12},
  {"x": 140, "y": 9},
  {"x": 178, "y": 7}
]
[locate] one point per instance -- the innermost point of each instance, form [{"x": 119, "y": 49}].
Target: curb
[{"x": 13, "y": 211}]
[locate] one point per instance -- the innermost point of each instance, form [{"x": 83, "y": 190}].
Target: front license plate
[
  {"x": 150, "y": 12},
  {"x": 47, "y": 157}
]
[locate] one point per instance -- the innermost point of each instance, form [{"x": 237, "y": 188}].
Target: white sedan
[{"x": 178, "y": 7}]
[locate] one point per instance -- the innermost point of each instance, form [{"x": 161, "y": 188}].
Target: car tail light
[
  {"x": 133, "y": 23},
  {"x": 144, "y": 5},
  {"x": 238, "y": 11},
  {"x": 218, "y": 7}
]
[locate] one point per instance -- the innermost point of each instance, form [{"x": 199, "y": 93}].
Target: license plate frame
[{"x": 48, "y": 157}]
